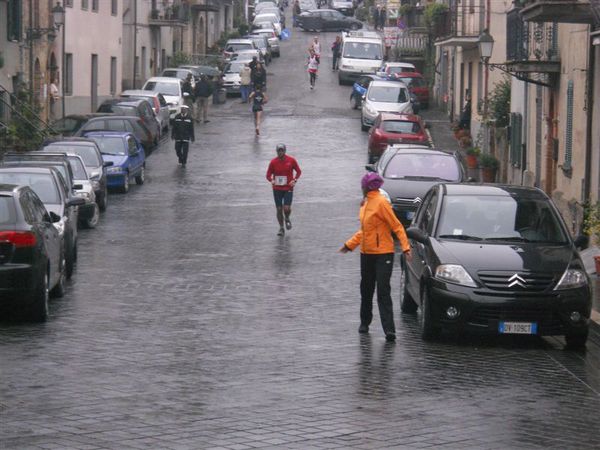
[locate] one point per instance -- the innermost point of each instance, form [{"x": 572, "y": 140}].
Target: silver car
[
  {"x": 384, "y": 96},
  {"x": 231, "y": 77},
  {"x": 158, "y": 102},
  {"x": 272, "y": 37}
]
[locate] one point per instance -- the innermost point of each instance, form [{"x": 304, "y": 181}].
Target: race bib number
[{"x": 281, "y": 181}]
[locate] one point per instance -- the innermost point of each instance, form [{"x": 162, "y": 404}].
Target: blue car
[{"x": 126, "y": 154}]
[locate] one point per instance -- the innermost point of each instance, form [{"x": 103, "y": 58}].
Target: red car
[
  {"x": 394, "y": 128},
  {"x": 416, "y": 83}
]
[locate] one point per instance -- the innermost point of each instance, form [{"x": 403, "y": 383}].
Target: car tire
[
  {"x": 576, "y": 340},
  {"x": 125, "y": 187},
  {"x": 58, "y": 291},
  {"x": 141, "y": 177},
  {"x": 70, "y": 263},
  {"x": 39, "y": 308},
  {"x": 407, "y": 304},
  {"x": 103, "y": 201},
  {"x": 429, "y": 330},
  {"x": 93, "y": 221},
  {"x": 354, "y": 27}
]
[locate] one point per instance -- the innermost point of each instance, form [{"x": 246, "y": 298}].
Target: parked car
[
  {"x": 120, "y": 123},
  {"x": 384, "y": 96},
  {"x": 307, "y": 5},
  {"x": 327, "y": 20},
  {"x": 178, "y": 72},
  {"x": 346, "y": 7},
  {"x": 395, "y": 128},
  {"x": 271, "y": 37},
  {"x": 72, "y": 123},
  {"x": 409, "y": 171},
  {"x": 247, "y": 55},
  {"x": 272, "y": 18},
  {"x": 262, "y": 43},
  {"x": 235, "y": 45},
  {"x": 140, "y": 108},
  {"x": 127, "y": 155},
  {"x": 359, "y": 89},
  {"x": 49, "y": 185},
  {"x": 392, "y": 67},
  {"x": 495, "y": 259},
  {"x": 231, "y": 80},
  {"x": 82, "y": 178},
  {"x": 212, "y": 72},
  {"x": 89, "y": 152},
  {"x": 158, "y": 103},
  {"x": 416, "y": 83},
  {"x": 170, "y": 88},
  {"x": 31, "y": 253}
]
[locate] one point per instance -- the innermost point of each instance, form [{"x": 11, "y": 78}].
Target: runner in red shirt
[{"x": 283, "y": 172}]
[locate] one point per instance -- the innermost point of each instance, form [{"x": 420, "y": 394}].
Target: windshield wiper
[
  {"x": 462, "y": 237},
  {"x": 508, "y": 238}
]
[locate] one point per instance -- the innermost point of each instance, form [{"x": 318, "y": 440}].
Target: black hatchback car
[
  {"x": 495, "y": 259},
  {"x": 327, "y": 20}
]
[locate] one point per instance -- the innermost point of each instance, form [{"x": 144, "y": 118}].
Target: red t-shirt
[{"x": 282, "y": 171}]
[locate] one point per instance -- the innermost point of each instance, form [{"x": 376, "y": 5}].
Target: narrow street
[{"x": 191, "y": 325}]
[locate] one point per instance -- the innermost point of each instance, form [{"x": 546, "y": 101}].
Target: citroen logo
[
  {"x": 516, "y": 280},
  {"x": 417, "y": 200}
]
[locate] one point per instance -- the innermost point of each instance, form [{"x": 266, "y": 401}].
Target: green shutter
[
  {"x": 569, "y": 130},
  {"x": 516, "y": 141}
]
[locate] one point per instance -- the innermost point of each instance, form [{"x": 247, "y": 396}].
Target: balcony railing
[
  {"x": 561, "y": 11},
  {"x": 527, "y": 41},
  {"x": 173, "y": 15},
  {"x": 461, "y": 21}
]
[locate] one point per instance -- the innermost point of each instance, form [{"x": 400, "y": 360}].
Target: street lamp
[
  {"x": 486, "y": 46},
  {"x": 58, "y": 16}
]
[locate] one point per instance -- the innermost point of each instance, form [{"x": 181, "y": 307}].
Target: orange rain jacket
[{"x": 378, "y": 221}]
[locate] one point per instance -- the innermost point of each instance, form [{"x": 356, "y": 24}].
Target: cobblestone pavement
[{"x": 190, "y": 325}]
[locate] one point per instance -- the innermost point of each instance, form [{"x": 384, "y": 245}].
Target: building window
[
  {"x": 113, "y": 75},
  {"x": 69, "y": 74},
  {"x": 85, "y": 4},
  {"x": 14, "y": 20},
  {"x": 69, "y": 3},
  {"x": 95, "y": 5},
  {"x": 113, "y": 7}
]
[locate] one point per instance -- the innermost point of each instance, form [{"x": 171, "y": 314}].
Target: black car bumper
[
  {"x": 488, "y": 312},
  {"x": 17, "y": 282}
]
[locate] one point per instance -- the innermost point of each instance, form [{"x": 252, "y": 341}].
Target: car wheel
[
  {"x": 353, "y": 102},
  {"x": 577, "y": 340},
  {"x": 428, "y": 330},
  {"x": 93, "y": 221},
  {"x": 141, "y": 177},
  {"x": 103, "y": 202},
  {"x": 407, "y": 304},
  {"x": 125, "y": 186},
  {"x": 354, "y": 27},
  {"x": 58, "y": 291},
  {"x": 70, "y": 263},
  {"x": 39, "y": 308}
]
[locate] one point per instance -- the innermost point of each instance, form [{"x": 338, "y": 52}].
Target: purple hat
[{"x": 371, "y": 181}]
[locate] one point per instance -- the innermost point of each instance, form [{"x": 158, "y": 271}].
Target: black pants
[
  {"x": 181, "y": 148},
  {"x": 312, "y": 77},
  {"x": 335, "y": 61},
  {"x": 376, "y": 270}
]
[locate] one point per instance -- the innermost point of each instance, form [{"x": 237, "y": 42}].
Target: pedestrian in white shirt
[
  {"x": 316, "y": 48},
  {"x": 312, "y": 68}
]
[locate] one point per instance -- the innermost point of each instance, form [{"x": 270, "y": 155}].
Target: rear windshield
[
  {"x": 162, "y": 87},
  {"x": 123, "y": 110},
  {"x": 401, "y": 126},
  {"x": 67, "y": 125},
  {"x": 78, "y": 169},
  {"x": 239, "y": 46},
  {"x": 428, "y": 166},
  {"x": 362, "y": 50},
  {"x": 235, "y": 67},
  {"x": 88, "y": 154},
  {"x": 413, "y": 81},
  {"x": 42, "y": 183},
  {"x": 110, "y": 145},
  {"x": 7, "y": 210}
]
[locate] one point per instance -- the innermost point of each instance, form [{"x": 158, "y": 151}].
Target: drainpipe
[
  {"x": 134, "y": 43},
  {"x": 30, "y": 43},
  {"x": 587, "y": 184}
]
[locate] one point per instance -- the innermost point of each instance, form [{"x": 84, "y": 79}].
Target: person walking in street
[
  {"x": 336, "y": 48},
  {"x": 182, "y": 132},
  {"x": 296, "y": 12},
  {"x": 188, "y": 92},
  {"x": 259, "y": 76},
  {"x": 203, "y": 91},
  {"x": 312, "y": 68},
  {"x": 283, "y": 173},
  {"x": 258, "y": 99},
  {"x": 316, "y": 48},
  {"x": 54, "y": 96},
  {"x": 376, "y": 17},
  {"x": 382, "y": 18},
  {"x": 377, "y": 223},
  {"x": 245, "y": 82}
]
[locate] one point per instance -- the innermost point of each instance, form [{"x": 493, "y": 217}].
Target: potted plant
[
  {"x": 465, "y": 142},
  {"x": 591, "y": 227},
  {"x": 472, "y": 155},
  {"x": 489, "y": 165}
]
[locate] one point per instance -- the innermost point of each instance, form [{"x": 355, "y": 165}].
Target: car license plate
[{"x": 517, "y": 327}]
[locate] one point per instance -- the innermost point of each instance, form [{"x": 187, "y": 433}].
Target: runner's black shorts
[{"x": 283, "y": 197}]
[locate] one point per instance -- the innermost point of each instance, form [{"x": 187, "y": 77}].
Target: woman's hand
[{"x": 344, "y": 249}]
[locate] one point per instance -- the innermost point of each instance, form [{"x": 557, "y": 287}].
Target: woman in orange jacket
[{"x": 377, "y": 223}]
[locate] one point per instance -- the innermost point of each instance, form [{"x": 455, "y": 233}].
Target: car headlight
[
  {"x": 454, "y": 273},
  {"x": 114, "y": 169},
  {"x": 95, "y": 185},
  {"x": 572, "y": 278},
  {"x": 60, "y": 226}
]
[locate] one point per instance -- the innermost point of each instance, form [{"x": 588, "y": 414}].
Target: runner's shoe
[
  {"x": 288, "y": 224},
  {"x": 281, "y": 232}
]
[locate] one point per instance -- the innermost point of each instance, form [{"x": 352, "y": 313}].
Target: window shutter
[
  {"x": 569, "y": 130},
  {"x": 516, "y": 141}
]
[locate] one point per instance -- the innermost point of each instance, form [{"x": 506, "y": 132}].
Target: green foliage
[
  {"x": 499, "y": 103},
  {"x": 243, "y": 29},
  {"x": 362, "y": 14},
  {"x": 405, "y": 9},
  {"x": 591, "y": 221},
  {"x": 474, "y": 151},
  {"x": 433, "y": 15},
  {"x": 180, "y": 58},
  {"x": 488, "y": 161},
  {"x": 22, "y": 132}
]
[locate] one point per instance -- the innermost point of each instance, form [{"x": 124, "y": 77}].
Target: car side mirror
[
  {"x": 417, "y": 234},
  {"x": 75, "y": 201},
  {"x": 370, "y": 168},
  {"x": 582, "y": 241},
  {"x": 108, "y": 164},
  {"x": 471, "y": 180},
  {"x": 53, "y": 217},
  {"x": 77, "y": 186},
  {"x": 427, "y": 126}
]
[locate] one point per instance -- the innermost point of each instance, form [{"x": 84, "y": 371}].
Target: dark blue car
[{"x": 127, "y": 155}]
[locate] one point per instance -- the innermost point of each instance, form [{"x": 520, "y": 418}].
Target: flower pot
[
  {"x": 471, "y": 161},
  {"x": 597, "y": 262},
  {"x": 488, "y": 174}
]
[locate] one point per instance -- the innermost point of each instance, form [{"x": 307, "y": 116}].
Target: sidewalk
[{"x": 443, "y": 139}]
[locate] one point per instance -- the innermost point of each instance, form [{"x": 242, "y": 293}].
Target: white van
[{"x": 362, "y": 52}]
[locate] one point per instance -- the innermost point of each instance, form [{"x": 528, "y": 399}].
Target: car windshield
[
  {"x": 162, "y": 87},
  {"x": 42, "y": 183},
  {"x": 500, "y": 219},
  {"x": 362, "y": 50},
  {"x": 125, "y": 110},
  {"x": 87, "y": 153},
  {"x": 233, "y": 47},
  {"x": 423, "y": 166},
  {"x": 388, "y": 94},
  {"x": 412, "y": 81},
  {"x": 399, "y": 69},
  {"x": 234, "y": 67},
  {"x": 78, "y": 169},
  {"x": 174, "y": 73},
  {"x": 110, "y": 145},
  {"x": 259, "y": 42},
  {"x": 7, "y": 209},
  {"x": 401, "y": 126},
  {"x": 67, "y": 125}
]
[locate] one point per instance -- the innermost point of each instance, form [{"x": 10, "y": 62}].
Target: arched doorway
[{"x": 201, "y": 48}]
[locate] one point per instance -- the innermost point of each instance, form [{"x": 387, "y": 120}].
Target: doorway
[{"x": 94, "y": 83}]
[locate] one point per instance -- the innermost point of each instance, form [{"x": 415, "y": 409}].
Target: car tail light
[{"x": 19, "y": 238}]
